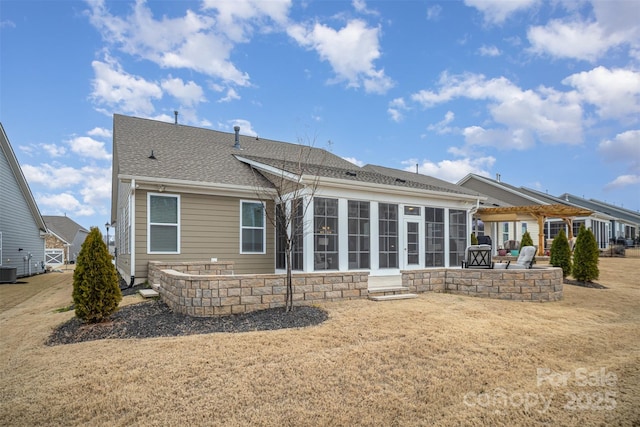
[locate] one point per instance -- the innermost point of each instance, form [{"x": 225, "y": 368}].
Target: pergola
[{"x": 538, "y": 212}]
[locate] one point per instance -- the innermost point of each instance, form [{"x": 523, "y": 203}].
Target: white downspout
[{"x": 132, "y": 230}]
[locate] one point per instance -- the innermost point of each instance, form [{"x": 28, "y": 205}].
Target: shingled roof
[
  {"x": 200, "y": 155},
  {"x": 63, "y": 226}
]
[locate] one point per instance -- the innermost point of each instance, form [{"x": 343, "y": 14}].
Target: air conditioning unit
[{"x": 8, "y": 274}]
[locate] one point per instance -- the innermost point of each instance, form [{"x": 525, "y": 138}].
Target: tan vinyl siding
[{"x": 209, "y": 228}]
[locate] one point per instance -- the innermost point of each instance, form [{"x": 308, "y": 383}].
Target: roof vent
[
  {"x": 152, "y": 157},
  {"x": 176, "y": 114},
  {"x": 498, "y": 177},
  {"x": 400, "y": 180},
  {"x": 351, "y": 173},
  {"x": 237, "y": 131}
]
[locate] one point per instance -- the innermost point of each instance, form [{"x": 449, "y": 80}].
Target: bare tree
[{"x": 291, "y": 186}]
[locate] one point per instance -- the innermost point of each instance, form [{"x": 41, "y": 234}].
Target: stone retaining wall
[
  {"x": 536, "y": 284},
  {"x": 216, "y": 292}
]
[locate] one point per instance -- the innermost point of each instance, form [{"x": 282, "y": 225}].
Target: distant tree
[
  {"x": 526, "y": 240},
  {"x": 96, "y": 293},
  {"x": 474, "y": 239},
  {"x": 561, "y": 253},
  {"x": 585, "y": 256}
]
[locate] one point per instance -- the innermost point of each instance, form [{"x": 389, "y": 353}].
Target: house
[
  {"x": 22, "y": 229},
  {"x": 64, "y": 240},
  {"x": 625, "y": 223},
  {"x": 183, "y": 193},
  {"x": 516, "y": 210}
]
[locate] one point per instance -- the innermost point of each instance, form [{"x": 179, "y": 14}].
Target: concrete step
[
  {"x": 148, "y": 293},
  {"x": 388, "y": 290},
  {"x": 392, "y": 297}
]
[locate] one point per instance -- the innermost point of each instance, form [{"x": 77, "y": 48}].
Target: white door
[
  {"x": 54, "y": 258},
  {"x": 412, "y": 244}
]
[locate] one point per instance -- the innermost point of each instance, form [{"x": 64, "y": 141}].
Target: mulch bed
[
  {"x": 153, "y": 318},
  {"x": 592, "y": 285}
]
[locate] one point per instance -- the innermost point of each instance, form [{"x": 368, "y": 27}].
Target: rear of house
[{"x": 182, "y": 193}]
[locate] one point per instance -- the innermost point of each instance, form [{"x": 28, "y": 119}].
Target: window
[
  {"x": 163, "y": 224},
  {"x": 524, "y": 228},
  {"x": 388, "y": 235},
  {"x": 434, "y": 237},
  {"x": 325, "y": 237},
  {"x": 457, "y": 236},
  {"x": 297, "y": 249},
  {"x": 505, "y": 232},
  {"x": 252, "y": 228},
  {"x": 412, "y": 210},
  {"x": 359, "y": 235}
]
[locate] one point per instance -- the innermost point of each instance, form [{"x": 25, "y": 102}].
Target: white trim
[
  {"x": 184, "y": 186},
  {"x": 263, "y": 228},
  {"x": 177, "y": 225},
  {"x": 271, "y": 169}
]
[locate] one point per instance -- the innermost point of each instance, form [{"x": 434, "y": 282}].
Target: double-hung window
[
  {"x": 252, "y": 227},
  {"x": 163, "y": 224}
]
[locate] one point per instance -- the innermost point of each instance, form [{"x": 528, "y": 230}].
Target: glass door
[{"x": 412, "y": 243}]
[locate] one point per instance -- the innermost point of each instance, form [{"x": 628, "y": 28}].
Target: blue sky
[{"x": 547, "y": 94}]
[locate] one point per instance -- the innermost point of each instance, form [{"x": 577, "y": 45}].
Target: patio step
[
  {"x": 148, "y": 293},
  {"x": 392, "y": 297},
  {"x": 380, "y": 293}
]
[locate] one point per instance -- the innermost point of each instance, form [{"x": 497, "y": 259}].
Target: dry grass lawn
[{"x": 439, "y": 359}]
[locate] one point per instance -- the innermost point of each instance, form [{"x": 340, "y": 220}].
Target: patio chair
[
  {"x": 477, "y": 256},
  {"x": 525, "y": 259}
]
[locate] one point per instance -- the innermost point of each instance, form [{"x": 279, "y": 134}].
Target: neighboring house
[
  {"x": 598, "y": 222},
  {"x": 22, "y": 228},
  {"x": 545, "y": 226},
  {"x": 64, "y": 234},
  {"x": 625, "y": 223},
  {"x": 185, "y": 193}
]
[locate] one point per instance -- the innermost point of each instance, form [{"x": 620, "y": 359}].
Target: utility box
[{"x": 8, "y": 274}]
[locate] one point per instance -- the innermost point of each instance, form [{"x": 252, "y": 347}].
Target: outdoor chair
[
  {"x": 525, "y": 259},
  {"x": 477, "y": 256}
]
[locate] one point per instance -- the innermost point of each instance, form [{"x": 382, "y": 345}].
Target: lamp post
[{"x": 107, "y": 227}]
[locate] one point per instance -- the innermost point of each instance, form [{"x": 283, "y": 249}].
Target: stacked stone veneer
[
  {"x": 536, "y": 284},
  {"x": 210, "y": 288}
]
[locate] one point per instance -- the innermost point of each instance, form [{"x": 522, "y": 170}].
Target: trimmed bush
[
  {"x": 96, "y": 293},
  {"x": 585, "y": 256},
  {"x": 526, "y": 240},
  {"x": 561, "y": 253}
]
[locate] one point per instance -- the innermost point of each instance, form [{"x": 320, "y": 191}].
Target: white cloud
[
  {"x": 396, "y": 107},
  {"x": 523, "y": 116},
  {"x": 612, "y": 24},
  {"x": 351, "y": 51},
  {"x": 7, "y": 24},
  {"x": 54, "y": 150},
  {"x": 489, "y": 51},
  {"x": 201, "y": 42},
  {"x": 64, "y": 203},
  {"x": 497, "y": 11},
  {"x": 188, "y": 94},
  {"x": 245, "y": 127},
  {"x": 355, "y": 161},
  {"x": 623, "y": 181},
  {"x": 578, "y": 40},
  {"x": 117, "y": 89},
  {"x": 434, "y": 12},
  {"x": 230, "y": 96},
  {"x": 451, "y": 170},
  {"x": 89, "y": 147},
  {"x": 624, "y": 149},
  {"x": 361, "y": 7},
  {"x": 53, "y": 175},
  {"x": 100, "y": 132},
  {"x": 442, "y": 127},
  {"x": 615, "y": 92}
]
